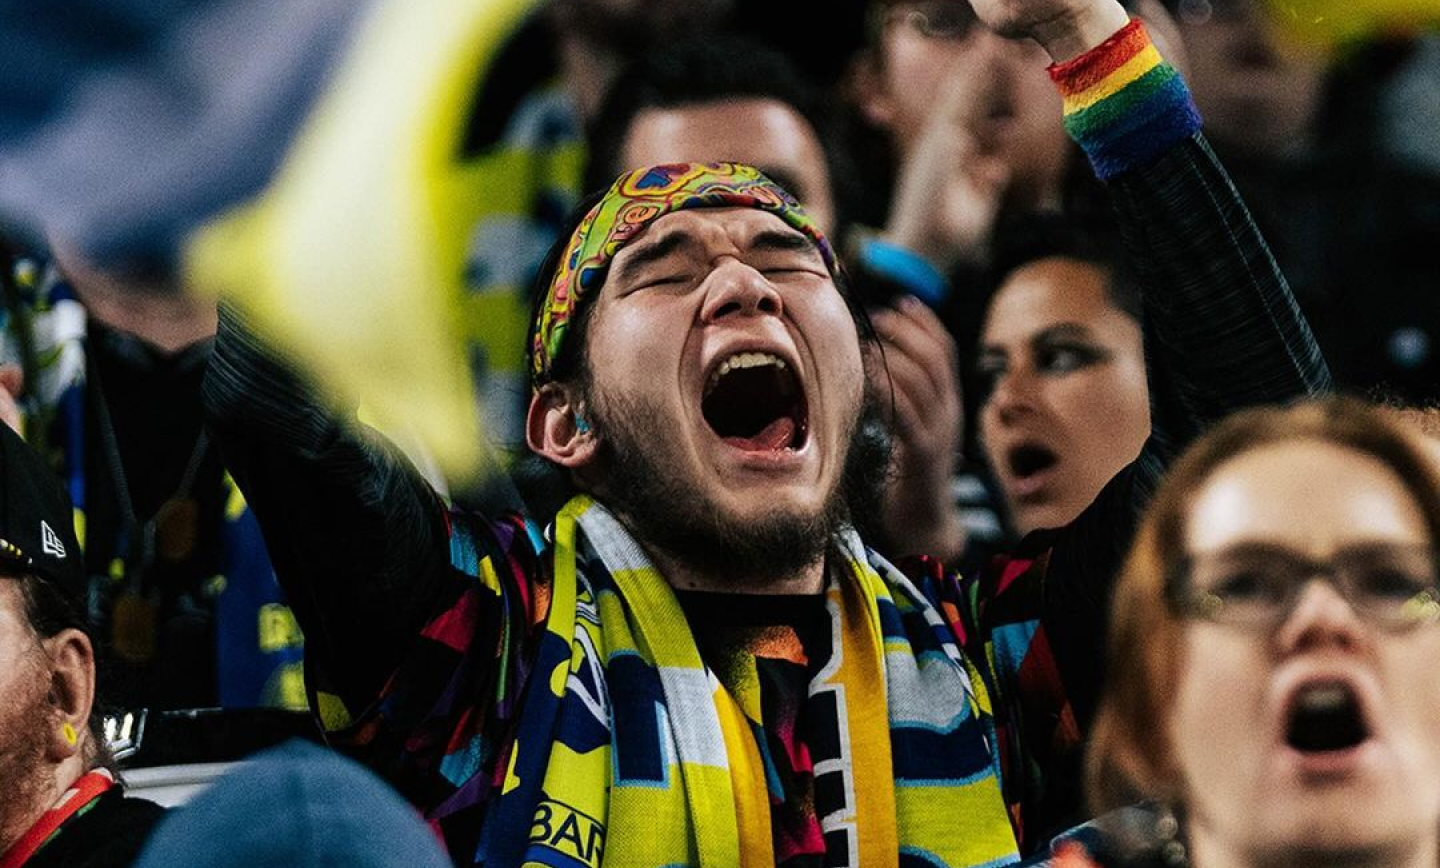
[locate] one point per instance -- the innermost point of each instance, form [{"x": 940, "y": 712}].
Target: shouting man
[{"x": 698, "y": 661}]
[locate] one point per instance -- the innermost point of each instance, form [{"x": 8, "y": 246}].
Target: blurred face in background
[
  {"x": 1067, "y": 405},
  {"x": 1308, "y": 724},
  {"x": 760, "y": 132},
  {"x": 1257, "y": 86},
  {"x": 923, "y": 47}
]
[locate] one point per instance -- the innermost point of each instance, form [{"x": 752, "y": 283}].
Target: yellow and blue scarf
[{"x": 630, "y": 752}]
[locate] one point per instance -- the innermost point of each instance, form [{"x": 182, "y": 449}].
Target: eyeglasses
[
  {"x": 1256, "y": 586},
  {"x": 938, "y": 19}
]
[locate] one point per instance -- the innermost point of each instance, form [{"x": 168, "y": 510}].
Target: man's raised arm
[
  {"x": 355, "y": 534},
  {"x": 1222, "y": 329}
]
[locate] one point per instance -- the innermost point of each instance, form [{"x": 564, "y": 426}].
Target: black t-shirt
[{"x": 783, "y": 639}]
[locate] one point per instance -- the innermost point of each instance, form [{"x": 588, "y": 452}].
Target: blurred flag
[
  {"x": 124, "y": 123},
  {"x": 312, "y": 142},
  {"x": 353, "y": 258}
]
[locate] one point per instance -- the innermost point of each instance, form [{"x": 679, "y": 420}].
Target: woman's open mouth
[
  {"x": 1027, "y": 465},
  {"x": 1325, "y": 717},
  {"x": 754, "y": 402}
]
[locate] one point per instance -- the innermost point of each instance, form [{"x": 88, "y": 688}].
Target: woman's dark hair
[{"x": 1031, "y": 238}]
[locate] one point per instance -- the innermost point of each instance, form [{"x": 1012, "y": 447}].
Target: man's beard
[
  {"x": 666, "y": 515},
  {"x": 25, "y": 775}
]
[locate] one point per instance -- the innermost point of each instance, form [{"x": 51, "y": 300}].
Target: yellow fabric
[
  {"x": 860, "y": 672},
  {"x": 1331, "y": 22},
  {"x": 353, "y": 258},
  {"x": 752, "y": 808}
]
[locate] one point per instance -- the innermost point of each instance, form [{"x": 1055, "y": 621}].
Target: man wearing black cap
[{"x": 60, "y": 805}]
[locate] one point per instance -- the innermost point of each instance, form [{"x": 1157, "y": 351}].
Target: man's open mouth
[
  {"x": 1325, "y": 716},
  {"x": 754, "y": 401}
]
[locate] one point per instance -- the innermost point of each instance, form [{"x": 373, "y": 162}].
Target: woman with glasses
[{"x": 1274, "y": 636}]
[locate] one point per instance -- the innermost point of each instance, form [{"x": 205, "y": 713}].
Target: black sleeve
[
  {"x": 356, "y": 535},
  {"x": 1222, "y": 332}
]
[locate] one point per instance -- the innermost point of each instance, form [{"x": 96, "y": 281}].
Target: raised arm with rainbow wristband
[{"x": 1124, "y": 103}]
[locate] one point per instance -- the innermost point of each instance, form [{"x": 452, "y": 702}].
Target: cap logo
[{"x": 50, "y": 541}]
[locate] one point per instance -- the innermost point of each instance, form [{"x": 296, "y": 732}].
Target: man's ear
[
  {"x": 555, "y": 428},
  {"x": 72, "y": 691}
]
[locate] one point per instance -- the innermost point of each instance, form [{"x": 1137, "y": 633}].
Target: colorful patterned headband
[{"x": 634, "y": 202}]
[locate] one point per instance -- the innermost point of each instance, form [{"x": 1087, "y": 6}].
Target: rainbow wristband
[{"x": 1124, "y": 104}]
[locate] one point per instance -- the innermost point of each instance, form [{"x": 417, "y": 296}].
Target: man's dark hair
[
  {"x": 708, "y": 69},
  {"x": 50, "y": 609},
  {"x": 565, "y": 366}
]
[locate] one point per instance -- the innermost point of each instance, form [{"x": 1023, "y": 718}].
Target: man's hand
[
  {"x": 919, "y": 513},
  {"x": 1066, "y": 29}
]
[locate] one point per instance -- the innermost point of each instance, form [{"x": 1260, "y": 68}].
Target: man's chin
[
  {"x": 26, "y": 774},
  {"x": 768, "y": 504},
  {"x": 734, "y": 548}
]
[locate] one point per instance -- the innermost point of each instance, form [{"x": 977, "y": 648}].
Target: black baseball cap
[{"x": 37, "y": 523}]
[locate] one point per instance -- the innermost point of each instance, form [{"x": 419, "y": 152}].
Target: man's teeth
[{"x": 743, "y": 360}]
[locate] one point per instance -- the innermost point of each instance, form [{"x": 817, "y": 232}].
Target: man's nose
[{"x": 735, "y": 288}]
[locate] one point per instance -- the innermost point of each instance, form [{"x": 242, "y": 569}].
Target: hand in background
[
  {"x": 919, "y": 514},
  {"x": 949, "y": 189}
]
